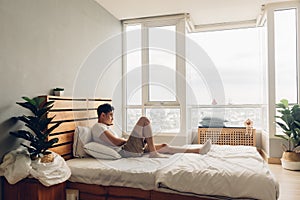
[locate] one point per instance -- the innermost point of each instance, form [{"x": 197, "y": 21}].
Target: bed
[{"x": 226, "y": 172}]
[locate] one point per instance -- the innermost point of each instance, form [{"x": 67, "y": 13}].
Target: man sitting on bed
[{"x": 140, "y": 141}]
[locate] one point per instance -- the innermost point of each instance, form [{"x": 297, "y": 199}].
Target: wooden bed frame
[{"x": 73, "y": 112}]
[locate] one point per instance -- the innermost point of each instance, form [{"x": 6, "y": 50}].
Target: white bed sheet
[
  {"x": 129, "y": 172},
  {"x": 231, "y": 171}
]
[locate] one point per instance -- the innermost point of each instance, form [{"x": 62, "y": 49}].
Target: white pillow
[
  {"x": 82, "y": 136},
  {"x": 101, "y": 151}
]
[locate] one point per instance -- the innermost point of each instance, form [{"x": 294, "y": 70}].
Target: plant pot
[
  {"x": 58, "y": 93},
  {"x": 47, "y": 158},
  {"x": 290, "y": 160}
]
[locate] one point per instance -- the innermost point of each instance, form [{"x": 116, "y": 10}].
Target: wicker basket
[
  {"x": 47, "y": 158},
  {"x": 227, "y": 136}
]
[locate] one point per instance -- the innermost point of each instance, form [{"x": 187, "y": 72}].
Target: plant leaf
[
  {"x": 29, "y": 106},
  {"x": 23, "y": 134},
  {"x": 283, "y": 137},
  {"x": 31, "y": 101},
  {"x": 48, "y": 131},
  {"x": 298, "y": 123},
  {"x": 285, "y": 102},
  {"x": 283, "y": 126},
  {"x": 41, "y": 112},
  {"x": 50, "y": 143}
]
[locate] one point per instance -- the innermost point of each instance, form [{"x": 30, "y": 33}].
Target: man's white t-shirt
[{"x": 97, "y": 135}]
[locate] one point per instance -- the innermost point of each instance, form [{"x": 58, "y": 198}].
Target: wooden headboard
[{"x": 72, "y": 112}]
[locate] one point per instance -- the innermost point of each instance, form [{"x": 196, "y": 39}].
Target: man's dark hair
[{"x": 104, "y": 108}]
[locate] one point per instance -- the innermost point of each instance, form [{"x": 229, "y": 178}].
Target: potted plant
[
  {"x": 58, "y": 91},
  {"x": 290, "y": 125},
  {"x": 39, "y": 130}
]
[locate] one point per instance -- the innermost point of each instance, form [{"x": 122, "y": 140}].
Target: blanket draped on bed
[
  {"x": 231, "y": 172},
  {"x": 226, "y": 171}
]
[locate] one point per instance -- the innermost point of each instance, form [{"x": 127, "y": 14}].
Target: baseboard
[
  {"x": 269, "y": 160},
  {"x": 274, "y": 161}
]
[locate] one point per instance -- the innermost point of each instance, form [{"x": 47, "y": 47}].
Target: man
[{"x": 140, "y": 140}]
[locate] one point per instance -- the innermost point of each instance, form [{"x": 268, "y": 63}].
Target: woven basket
[
  {"x": 291, "y": 156},
  {"x": 227, "y": 136},
  {"x": 47, "y": 158}
]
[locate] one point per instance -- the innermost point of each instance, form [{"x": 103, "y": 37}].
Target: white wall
[{"x": 44, "y": 44}]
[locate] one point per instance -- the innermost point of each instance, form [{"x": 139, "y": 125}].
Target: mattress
[
  {"x": 226, "y": 171},
  {"x": 130, "y": 172}
]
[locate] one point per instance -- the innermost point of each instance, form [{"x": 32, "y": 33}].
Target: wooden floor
[{"x": 289, "y": 182}]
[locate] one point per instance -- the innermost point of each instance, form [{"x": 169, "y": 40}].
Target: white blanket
[
  {"x": 17, "y": 165},
  {"x": 230, "y": 171}
]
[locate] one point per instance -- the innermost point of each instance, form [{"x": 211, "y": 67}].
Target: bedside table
[{"x": 32, "y": 189}]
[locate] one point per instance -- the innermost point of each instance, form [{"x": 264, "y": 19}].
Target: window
[
  {"x": 162, "y": 63},
  {"x": 133, "y": 63},
  {"x": 237, "y": 57},
  {"x": 285, "y": 42},
  {"x": 151, "y": 73},
  {"x": 285, "y": 55}
]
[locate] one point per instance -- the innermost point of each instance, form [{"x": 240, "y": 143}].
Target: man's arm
[{"x": 111, "y": 138}]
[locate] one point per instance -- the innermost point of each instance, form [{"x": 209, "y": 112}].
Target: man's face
[{"x": 107, "y": 118}]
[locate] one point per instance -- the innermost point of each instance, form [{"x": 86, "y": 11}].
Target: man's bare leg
[
  {"x": 147, "y": 134},
  {"x": 155, "y": 150},
  {"x": 164, "y": 148}
]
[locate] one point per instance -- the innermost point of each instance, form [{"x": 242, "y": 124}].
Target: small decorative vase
[{"x": 47, "y": 158}]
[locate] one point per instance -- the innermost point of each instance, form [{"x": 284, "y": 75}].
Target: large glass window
[
  {"x": 151, "y": 74},
  {"x": 166, "y": 120},
  {"x": 285, "y": 54},
  {"x": 237, "y": 57},
  {"x": 285, "y": 42},
  {"x": 162, "y": 63},
  {"x": 133, "y": 64}
]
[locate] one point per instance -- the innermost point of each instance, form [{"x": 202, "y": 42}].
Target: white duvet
[
  {"x": 226, "y": 171},
  {"x": 230, "y": 171}
]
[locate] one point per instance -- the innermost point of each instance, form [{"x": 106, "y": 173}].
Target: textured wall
[{"x": 44, "y": 44}]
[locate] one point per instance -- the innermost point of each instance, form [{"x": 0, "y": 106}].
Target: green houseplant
[
  {"x": 38, "y": 125},
  {"x": 289, "y": 121}
]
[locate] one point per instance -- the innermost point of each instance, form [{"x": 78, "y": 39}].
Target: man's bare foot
[
  {"x": 206, "y": 147},
  {"x": 157, "y": 155}
]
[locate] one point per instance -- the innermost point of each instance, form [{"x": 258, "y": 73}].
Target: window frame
[
  {"x": 145, "y": 63},
  {"x": 271, "y": 75},
  {"x": 173, "y": 20}
]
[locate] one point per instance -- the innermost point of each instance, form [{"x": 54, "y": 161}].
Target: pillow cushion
[
  {"x": 82, "y": 136},
  {"x": 101, "y": 151},
  {"x": 214, "y": 119},
  {"x": 213, "y": 122}
]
